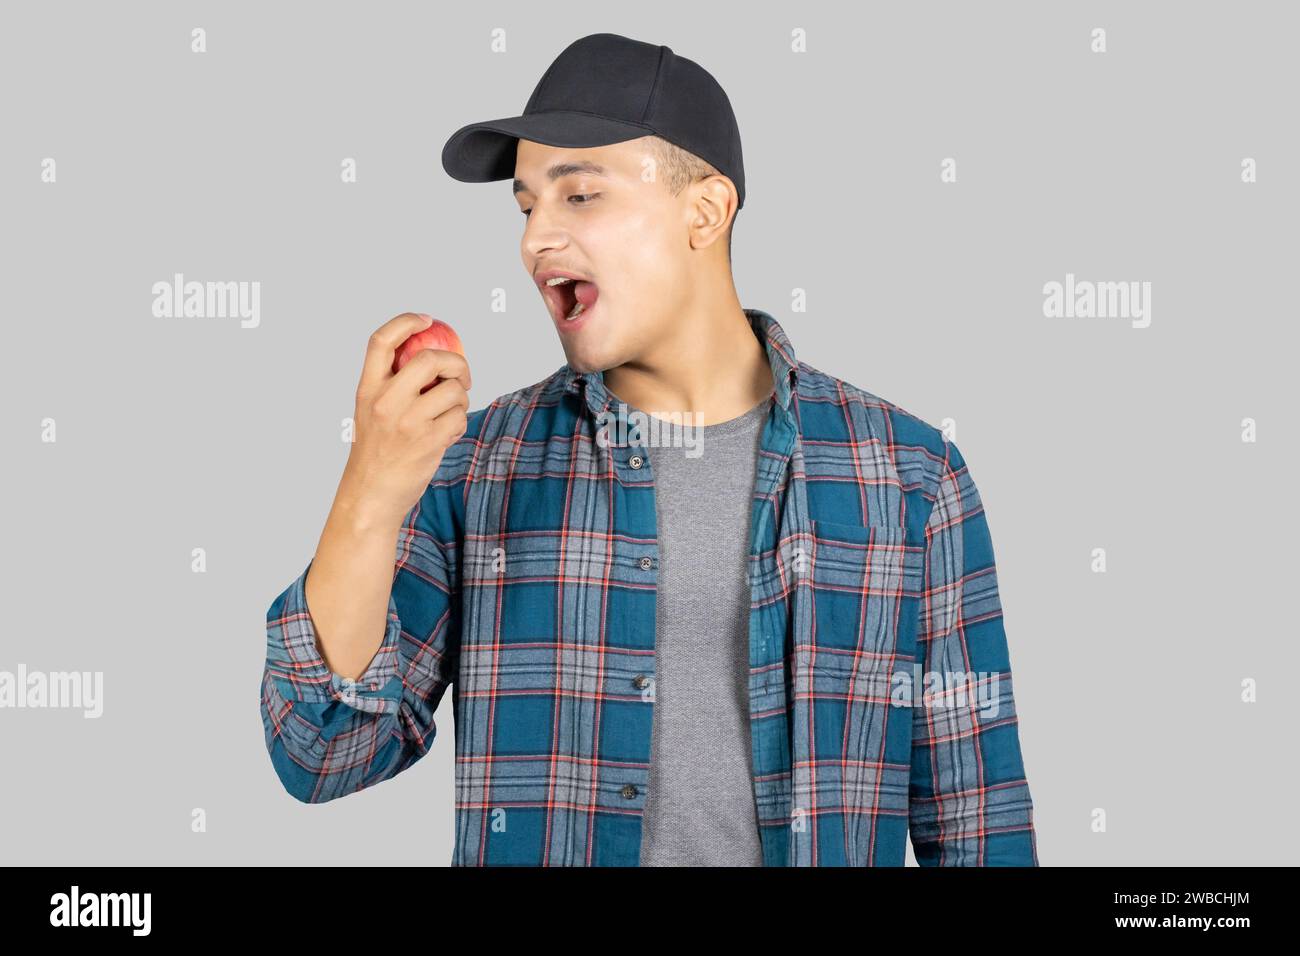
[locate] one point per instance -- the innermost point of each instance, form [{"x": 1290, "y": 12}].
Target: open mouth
[{"x": 569, "y": 298}]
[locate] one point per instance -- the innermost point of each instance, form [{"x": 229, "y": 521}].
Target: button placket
[{"x": 642, "y": 682}]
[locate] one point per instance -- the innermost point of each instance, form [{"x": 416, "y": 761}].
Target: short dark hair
[{"x": 677, "y": 168}]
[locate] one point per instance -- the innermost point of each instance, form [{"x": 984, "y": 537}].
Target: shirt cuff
[{"x": 294, "y": 661}]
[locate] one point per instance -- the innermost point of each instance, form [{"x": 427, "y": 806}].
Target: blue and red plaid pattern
[{"x": 525, "y": 581}]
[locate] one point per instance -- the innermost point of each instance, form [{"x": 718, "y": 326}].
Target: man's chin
[{"x": 583, "y": 364}]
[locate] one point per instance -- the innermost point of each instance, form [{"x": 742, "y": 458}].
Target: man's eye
[{"x": 585, "y": 196}]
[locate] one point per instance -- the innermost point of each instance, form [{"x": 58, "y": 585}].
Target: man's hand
[{"x": 401, "y": 435}]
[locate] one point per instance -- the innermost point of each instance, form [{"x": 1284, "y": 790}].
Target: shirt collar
[{"x": 780, "y": 354}]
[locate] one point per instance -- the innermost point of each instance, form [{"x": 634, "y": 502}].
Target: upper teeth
[{"x": 558, "y": 280}]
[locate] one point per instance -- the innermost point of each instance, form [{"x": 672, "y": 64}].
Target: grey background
[{"x": 1080, "y": 433}]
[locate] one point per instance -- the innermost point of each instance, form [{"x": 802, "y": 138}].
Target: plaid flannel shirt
[{"x": 879, "y": 683}]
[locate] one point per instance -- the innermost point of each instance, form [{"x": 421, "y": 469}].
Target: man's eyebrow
[{"x": 566, "y": 169}]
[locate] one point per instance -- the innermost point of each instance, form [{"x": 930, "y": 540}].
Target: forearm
[{"x": 349, "y": 583}]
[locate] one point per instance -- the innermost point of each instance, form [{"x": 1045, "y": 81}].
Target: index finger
[
  {"x": 418, "y": 374},
  {"x": 382, "y": 348}
]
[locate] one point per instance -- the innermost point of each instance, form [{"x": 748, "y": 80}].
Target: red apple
[{"x": 439, "y": 335}]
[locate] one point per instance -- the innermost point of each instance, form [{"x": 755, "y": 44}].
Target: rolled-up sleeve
[
  {"x": 969, "y": 801},
  {"x": 328, "y": 735}
]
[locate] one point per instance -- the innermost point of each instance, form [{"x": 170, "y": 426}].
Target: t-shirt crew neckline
[{"x": 739, "y": 423}]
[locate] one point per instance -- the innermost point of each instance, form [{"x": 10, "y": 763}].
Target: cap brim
[{"x": 485, "y": 152}]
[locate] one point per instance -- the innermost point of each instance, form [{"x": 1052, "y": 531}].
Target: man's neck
[{"x": 713, "y": 365}]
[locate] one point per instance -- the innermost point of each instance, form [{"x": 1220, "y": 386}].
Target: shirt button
[
  {"x": 647, "y": 563},
  {"x": 636, "y": 461},
  {"x": 640, "y": 681},
  {"x": 629, "y": 791}
]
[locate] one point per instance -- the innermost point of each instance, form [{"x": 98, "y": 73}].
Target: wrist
[{"x": 361, "y": 516}]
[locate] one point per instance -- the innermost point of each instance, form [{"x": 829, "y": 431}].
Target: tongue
[{"x": 585, "y": 292}]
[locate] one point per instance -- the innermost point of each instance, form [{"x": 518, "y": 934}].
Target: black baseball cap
[{"x": 604, "y": 89}]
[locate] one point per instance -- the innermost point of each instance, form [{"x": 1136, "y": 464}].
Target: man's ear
[{"x": 712, "y": 209}]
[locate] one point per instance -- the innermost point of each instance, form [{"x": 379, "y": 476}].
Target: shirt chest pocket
[{"x": 859, "y": 576}]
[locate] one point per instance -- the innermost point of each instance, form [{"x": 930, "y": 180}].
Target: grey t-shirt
[{"x": 700, "y": 802}]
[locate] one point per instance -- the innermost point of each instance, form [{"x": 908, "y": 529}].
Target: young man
[{"x": 692, "y": 595}]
